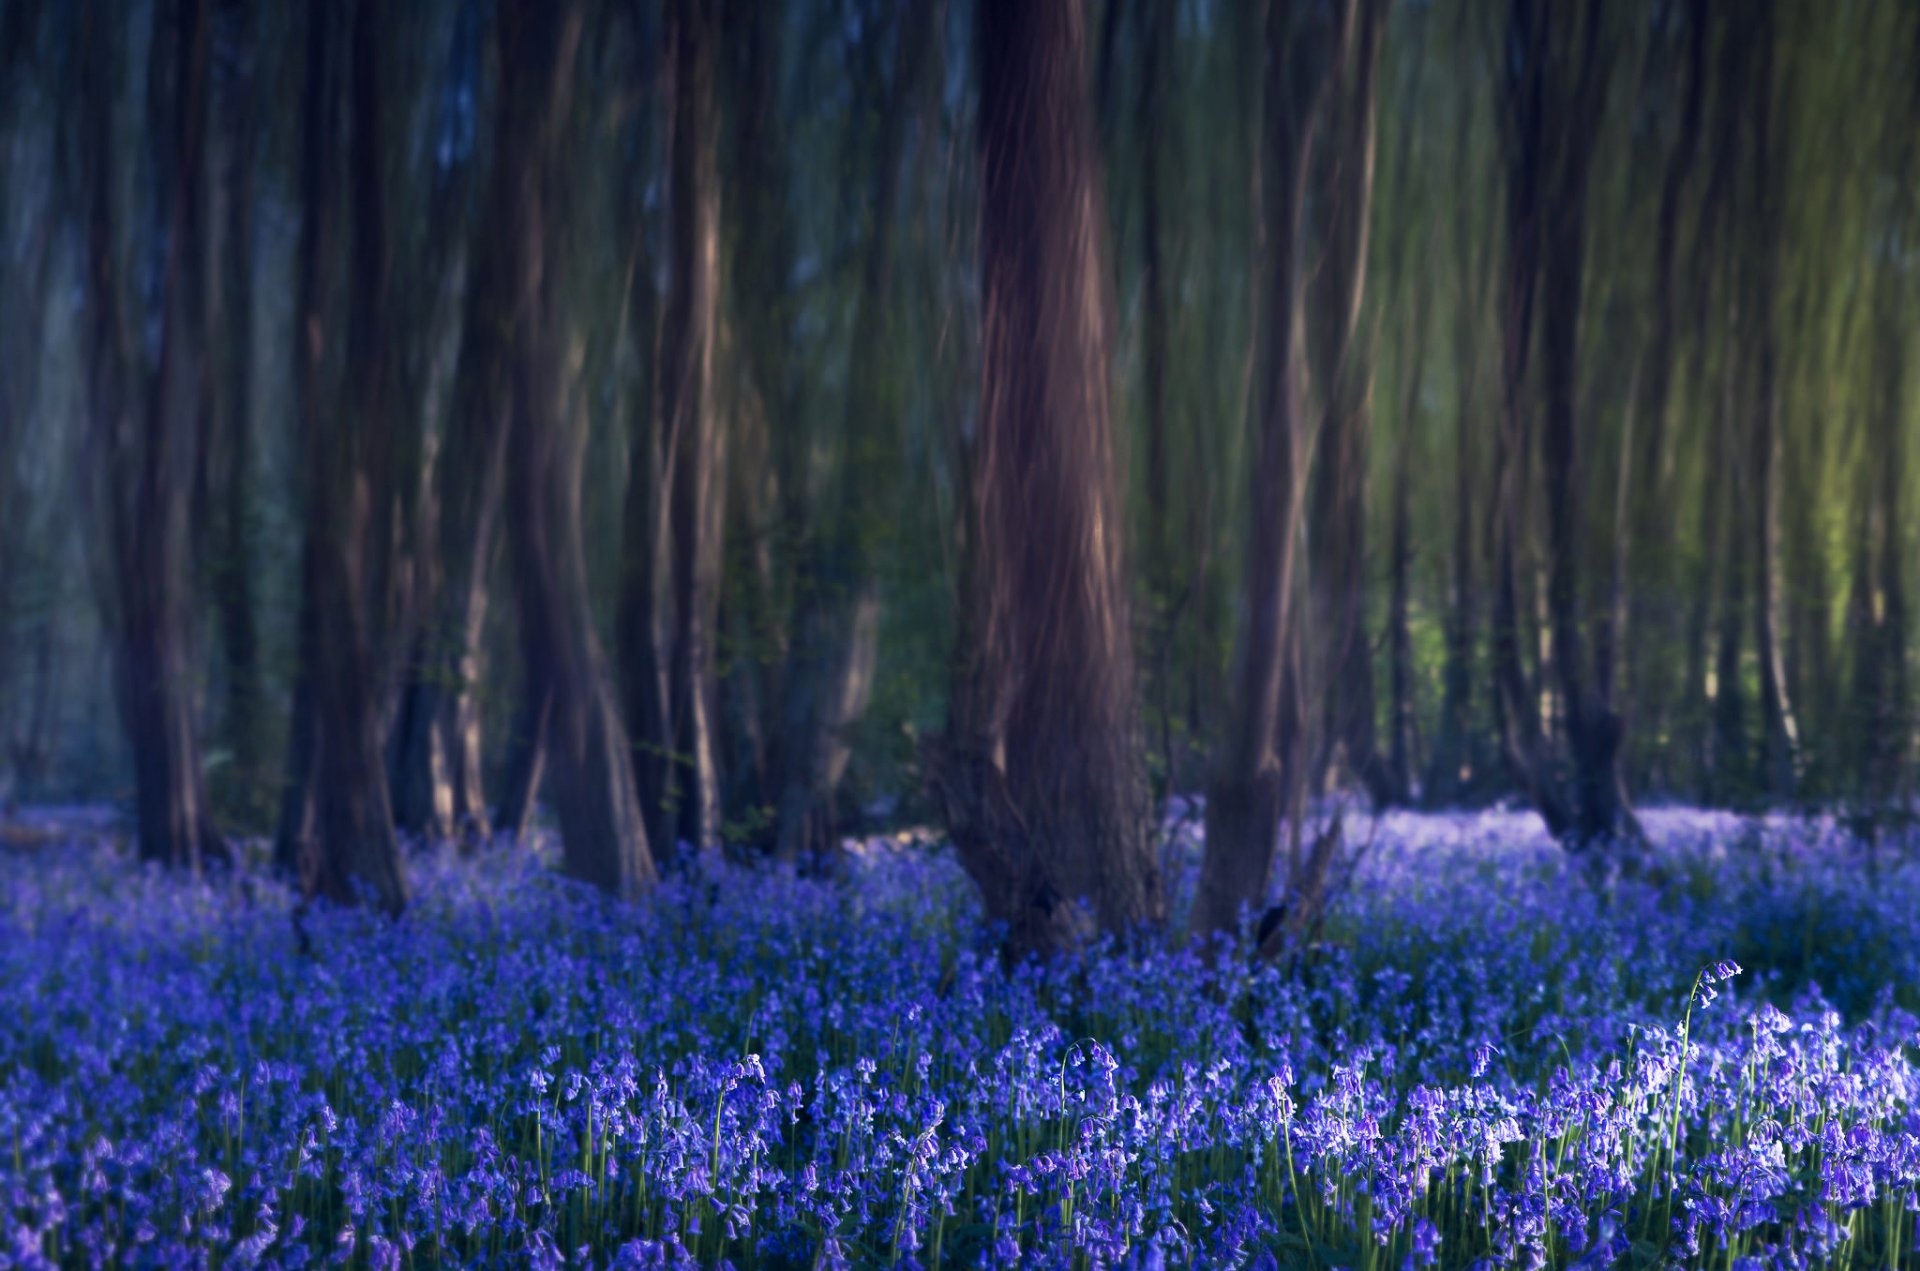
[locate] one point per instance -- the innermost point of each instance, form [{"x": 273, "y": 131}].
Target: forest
[{"x": 913, "y": 633}]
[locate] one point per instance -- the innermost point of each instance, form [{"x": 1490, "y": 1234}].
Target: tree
[
  {"x": 1340, "y": 211},
  {"x": 337, "y": 829},
  {"x": 435, "y": 759},
  {"x": 144, "y": 420},
  {"x": 838, "y": 611},
  {"x": 1556, "y": 65},
  {"x": 1040, "y": 775},
  {"x": 595, "y": 792},
  {"x": 675, "y": 505},
  {"x": 1259, "y": 764}
]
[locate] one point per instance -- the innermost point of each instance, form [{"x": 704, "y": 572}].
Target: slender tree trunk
[
  {"x": 1652, "y": 604},
  {"x": 675, "y": 503},
  {"x": 346, "y": 842},
  {"x": 594, "y": 790},
  {"x": 1167, "y": 595},
  {"x": 24, "y": 292},
  {"x": 1257, "y": 765},
  {"x": 1041, "y": 775},
  {"x": 243, "y": 723},
  {"x": 1340, "y": 211},
  {"x": 146, "y": 449},
  {"x": 1453, "y": 765},
  {"x": 836, "y": 632},
  {"x": 1759, "y": 278},
  {"x": 434, "y": 742},
  {"x": 1400, "y": 592},
  {"x": 1556, "y": 82}
]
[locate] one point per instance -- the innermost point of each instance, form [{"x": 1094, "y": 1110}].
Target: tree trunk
[
  {"x": 1257, "y": 764},
  {"x": 675, "y": 497},
  {"x": 146, "y": 449},
  {"x": 837, "y": 629},
  {"x": 1041, "y": 775},
  {"x": 244, "y": 723},
  {"x": 345, "y": 838},
  {"x": 1555, "y": 86},
  {"x": 594, "y": 790},
  {"x": 1340, "y": 211},
  {"x": 1454, "y": 764},
  {"x": 434, "y": 742},
  {"x": 1652, "y": 604}
]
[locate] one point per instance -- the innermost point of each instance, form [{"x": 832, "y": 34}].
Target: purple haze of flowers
[{"x": 1489, "y": 1061}]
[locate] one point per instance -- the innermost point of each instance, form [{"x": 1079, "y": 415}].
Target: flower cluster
[{"x": 1489, "y": 1059}]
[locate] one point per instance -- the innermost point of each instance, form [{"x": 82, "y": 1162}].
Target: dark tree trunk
[
  {"x": 675, "y": 497},
  {"x": 147, "y": 449},
  {"x": 1652, "y": 604},
  {"x": 837, "y": 629},
  {"x": 1556, "y": 76},
  {"x": 1257, "y": 776},
  {"x": 434, "y": 742},
  {"x": 1759, "y": 282},
  {"x": 594, "y": 790},
  {"x": 1164, "y": 592},
  {"x": 1454, "y": 765},
  {"x": 1877, "y": 611},
  {"x": 23, "y": 302},
  {"x": 1340, "y": 210},
  {"x": 345, "y": 844},
  {"x": 1400, "y": 713},
  {"x": 1040, "y": 775},
  {"x": 243, "y": 719}
]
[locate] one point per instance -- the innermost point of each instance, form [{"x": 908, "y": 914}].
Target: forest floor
[{"x": 1487, "y": 1059}]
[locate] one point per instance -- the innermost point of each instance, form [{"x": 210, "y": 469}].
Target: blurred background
[{"x": 1447, "y": 401}]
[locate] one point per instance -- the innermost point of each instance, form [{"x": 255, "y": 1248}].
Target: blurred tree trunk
[
  {"x": 675, "y": 503},
  {"x": 1453, "y": 766},
  {"x": 434, "y": 744},
  {"x": 144, "y": 439},
  {"x": 1257, "y": 776},
  {"x": 1877, "y": 612},
  {"x": 1401, "y": 713},
  {"x": 1339, "y": 211},
  {"x": 594, "y": 789},
  {"x": 1780, "y": 740},
  {"x": 245, "y": 789},
  {"x": 1650, "y": 624},
  {"x": 340, "y": 819},
  {"x": 1040, "y": 774},
  {"x": 838, "y": 620},
  {"x": 1158, "y": 99},
  {"x": 23, "y": 304},
  {"x": 1556, "y": 73},
  {"x": 772, "y": 440}
]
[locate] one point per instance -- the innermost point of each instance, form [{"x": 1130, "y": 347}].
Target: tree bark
[
  {"x": 1649, "y": 624},
  {"x": 434, "y": 743},
  {"x": 594, "y": 790},
  {"x": 1041, "y": 775},
  {"x": 1556, "y": 75},
  {"x": 147, "y": 449},
  {"x": 244, "y": 724},
  {"x": 1257, "y": 764},
  {"x": 1780, "y": 742},
  {"x": 344, "y": 845},
  {"x": 675, "y": 498},
  {"x": 837, "y": 629},
  {"x": 1340, "y": 210}
]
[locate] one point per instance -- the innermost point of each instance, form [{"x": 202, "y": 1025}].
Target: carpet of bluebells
[{"x": 1487, "y": 1059}]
